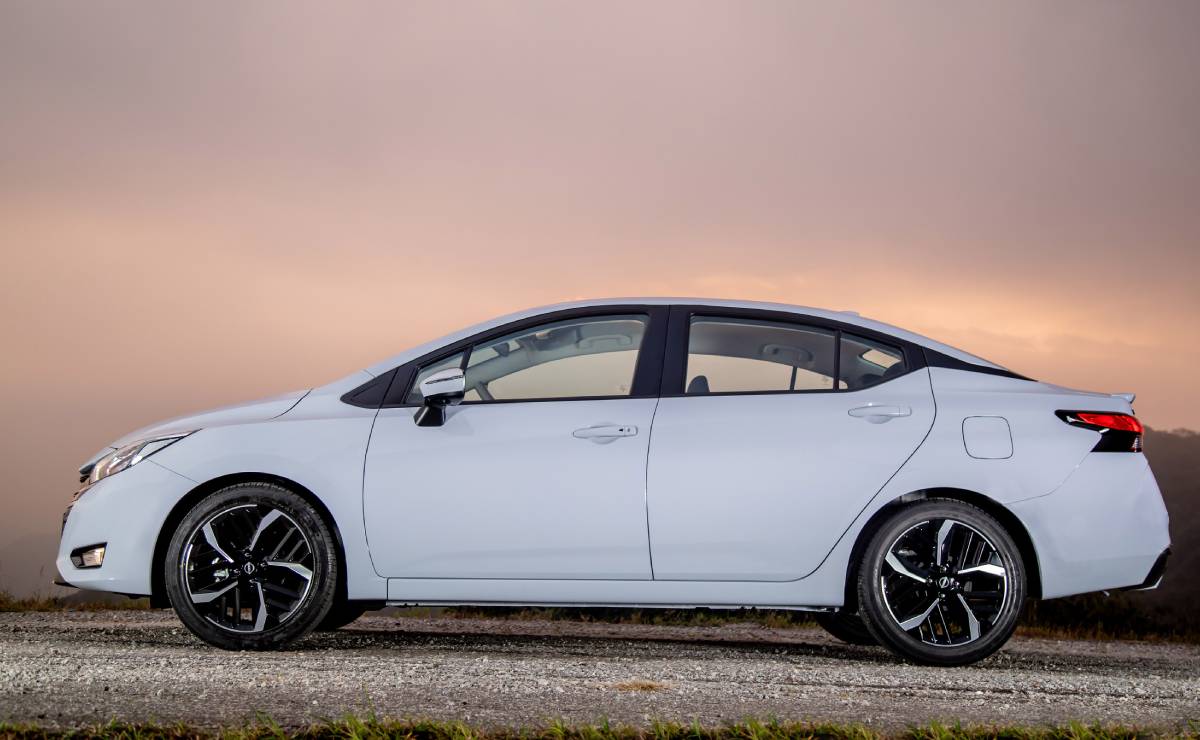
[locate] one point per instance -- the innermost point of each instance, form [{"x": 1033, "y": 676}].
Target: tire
[
  {"x": 251, "y": 567},
  {"x": 849, "y": 628},
  {"x": 941, "y": 583},
  {"x": 343, "y": 613}
]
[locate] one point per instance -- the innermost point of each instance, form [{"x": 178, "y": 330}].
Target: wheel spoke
[
  {"x": 205, "y": 597},
  {"x": 918, "y": 620},
  {"x": 211, "y": 538},
  {"x": 972, "y": 620},
  {"x": 263, "y": 523},
  {"x": 942, "y": 535},
  {"x": 260, "y": 621},
  {"x": 897, "y": 565},
  {"x": 990, "y": 569},
  {"x": 296, "y": 568}
]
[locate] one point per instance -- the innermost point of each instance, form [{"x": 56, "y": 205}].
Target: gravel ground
[{"x": 70, "y": 669}]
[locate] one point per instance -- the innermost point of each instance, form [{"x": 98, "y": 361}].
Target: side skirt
[{"x": 800, "y": 595}]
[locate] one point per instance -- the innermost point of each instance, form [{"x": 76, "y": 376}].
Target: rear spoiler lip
[{"x": 1126, "y": 396}]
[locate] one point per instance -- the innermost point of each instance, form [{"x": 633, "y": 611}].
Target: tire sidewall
[
  {"x": 877, "y": 615},
  {"x": 322, "y": 590}
]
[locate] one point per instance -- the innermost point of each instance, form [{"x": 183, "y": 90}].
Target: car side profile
[{"x": 636, "y": 452}]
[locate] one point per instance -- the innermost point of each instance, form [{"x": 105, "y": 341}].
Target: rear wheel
[
  {"x": 251, "y": 567},
  {"x": 848, "y": 628},
  {"x": 942, "y": 583}
]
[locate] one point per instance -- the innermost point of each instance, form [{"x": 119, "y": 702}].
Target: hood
[{"x": 240, "y": 413}]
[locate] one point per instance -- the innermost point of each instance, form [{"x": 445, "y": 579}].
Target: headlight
[{"x": 130, "y": 455}]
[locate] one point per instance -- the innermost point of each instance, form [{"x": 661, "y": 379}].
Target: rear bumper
[
  {"x": 1104, "y": 528},
  {"x": 1155, "y": 576}
]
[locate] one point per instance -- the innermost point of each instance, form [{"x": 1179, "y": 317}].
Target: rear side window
[
  {"x": 865, "y": 362},
  {"x": 728, "y": 355}
]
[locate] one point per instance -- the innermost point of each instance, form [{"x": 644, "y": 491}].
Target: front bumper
[{"x": 126, "y": 512}]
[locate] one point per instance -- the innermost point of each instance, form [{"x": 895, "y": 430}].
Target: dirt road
[{"x": 80, "y": 668}]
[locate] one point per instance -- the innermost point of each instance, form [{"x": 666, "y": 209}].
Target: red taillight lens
[
  {"x": 1121, "y": 432},
  {"x": 1123, "y": 422}
]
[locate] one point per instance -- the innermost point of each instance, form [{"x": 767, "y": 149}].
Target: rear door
[{"x": 772, "y": 434}]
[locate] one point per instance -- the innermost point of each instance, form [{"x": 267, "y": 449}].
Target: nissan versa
[{"x": 648, "y": 452}]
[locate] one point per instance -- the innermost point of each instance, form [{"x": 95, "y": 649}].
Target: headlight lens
[{"x": 130, "y": 455}]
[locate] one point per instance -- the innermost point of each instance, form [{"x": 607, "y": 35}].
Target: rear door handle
[
  {"x": 879, "y": 414},
  {"x": 606, "y": 432}
]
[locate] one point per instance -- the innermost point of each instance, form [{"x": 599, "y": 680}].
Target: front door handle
[
  {"x": 602, "y": 433},
  {"x": 877, "y": 414}
]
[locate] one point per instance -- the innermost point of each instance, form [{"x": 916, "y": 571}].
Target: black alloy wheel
[
  {"x": 250, "y": 568},
  {"x": 942, "y": 583}
]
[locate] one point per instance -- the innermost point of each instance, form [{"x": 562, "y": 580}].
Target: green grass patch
[{"x": 371, "y": 728}]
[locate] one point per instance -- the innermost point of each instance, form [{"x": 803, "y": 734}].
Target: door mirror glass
[{"x": 439, "y": 390}]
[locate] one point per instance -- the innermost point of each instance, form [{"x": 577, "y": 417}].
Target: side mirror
[{"x": 442, "y": 389}]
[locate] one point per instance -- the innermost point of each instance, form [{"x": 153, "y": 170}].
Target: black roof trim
[{"x": 933, "y": 358}]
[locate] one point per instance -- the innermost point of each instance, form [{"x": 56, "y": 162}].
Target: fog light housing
[{"x": 91, "y": 556}]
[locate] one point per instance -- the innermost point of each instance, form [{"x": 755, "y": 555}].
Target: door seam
[{"x": 646, "y": 487}]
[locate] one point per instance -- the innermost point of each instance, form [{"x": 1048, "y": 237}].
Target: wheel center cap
[
  {"x": 944, "y": 582},
  {"x": 248, "y": 568}
]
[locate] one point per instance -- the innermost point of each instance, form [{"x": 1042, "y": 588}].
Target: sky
[{"x": 203, "y": 203}]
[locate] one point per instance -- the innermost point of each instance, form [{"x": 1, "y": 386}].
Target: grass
[
  {"x": 10, "y": 603},
  {"x": 354, "y": 728}
]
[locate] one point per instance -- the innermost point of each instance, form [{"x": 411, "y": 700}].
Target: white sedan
[{"x": 638, "y": 452}]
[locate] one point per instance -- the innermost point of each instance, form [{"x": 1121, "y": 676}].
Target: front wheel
[
  {"x": 941, "y": 583},
  {"x": 251, "y": 567}
]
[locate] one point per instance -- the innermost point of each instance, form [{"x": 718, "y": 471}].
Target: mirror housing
[{"x": 440, "y": 390}]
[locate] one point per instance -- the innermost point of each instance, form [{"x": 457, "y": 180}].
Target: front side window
[
  {"x": 727, "y": 355},
  {"x": 577, "y": 358}
]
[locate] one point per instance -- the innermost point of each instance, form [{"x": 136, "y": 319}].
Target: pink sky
[{"x": 202, "y": 204}]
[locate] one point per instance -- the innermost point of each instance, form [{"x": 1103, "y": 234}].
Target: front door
[
  {"x": 764, "y": 460},
  {"x": 539, "y": 474}
]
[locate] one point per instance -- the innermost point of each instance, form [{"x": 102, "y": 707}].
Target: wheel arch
[
  {"x": 158, "y": 590},
  {"x": 1011, "y": 523}
]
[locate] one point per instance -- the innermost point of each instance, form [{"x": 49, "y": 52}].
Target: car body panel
[
  {"x": 125, "y": 512},
  {"x": 1102, "y": 529},
  {"x": 530, "y": 500},
  {"x": 1096, "y": 520},
  {"x": 263, "y": 409},
  {"x": 319, "y": 444},
  {"x": 759, "y": 487}
]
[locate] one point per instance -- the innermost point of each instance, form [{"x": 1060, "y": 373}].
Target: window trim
[
  {"x": 675, "y": 361},
  {"x": 647, "y": 373}
]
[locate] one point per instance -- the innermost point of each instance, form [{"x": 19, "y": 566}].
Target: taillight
[{"x": 1119, "y": 432}]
